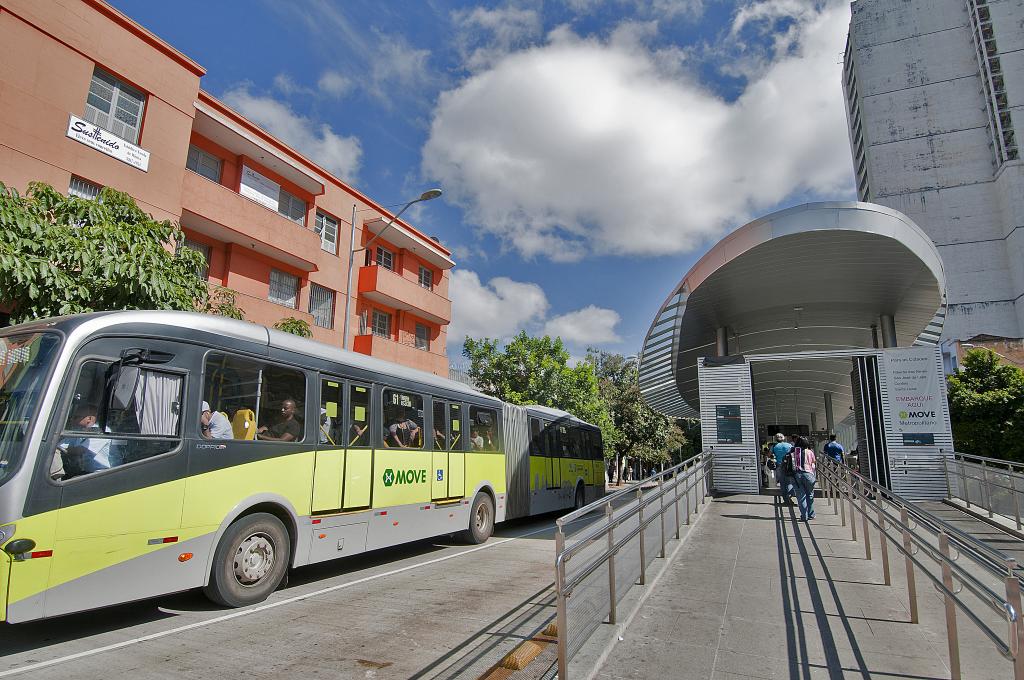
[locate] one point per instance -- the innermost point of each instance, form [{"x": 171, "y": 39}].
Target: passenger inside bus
[
  {"x": 477, "y": 440},
  {"x": 287, "y": 429},
  {"x": 214, "y": 424},
  {"x": 403, "y": 432},
  {"x": 80, "y": 455}
]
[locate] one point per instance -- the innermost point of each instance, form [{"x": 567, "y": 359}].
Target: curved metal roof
[{"x": 815, "y": 277}]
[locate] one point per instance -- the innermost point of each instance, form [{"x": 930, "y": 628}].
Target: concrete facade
[
  {"x": 51, "y": 55},
  {"x": 934, "y": 92}
]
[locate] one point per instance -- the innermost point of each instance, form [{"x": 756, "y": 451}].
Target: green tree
[
  {"x": 642, "y": 434},
  {"x": 299, "y": 327},
  {"x": 222, "y": 302},
  {"x": 986, "y": 407},
  {"x": 65, "y": 255},
  {"x": 532, "y": 370}
]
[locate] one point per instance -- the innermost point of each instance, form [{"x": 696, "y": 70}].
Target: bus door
[
  {"x": 554, "y": 456},
  {"x": 119, "y": 460},
  {"x": 358, "y": 472},
  {"x": 449, "y": 469},
  {"x": 329, "y": 470},
  {"x": 456, "y": 447}
]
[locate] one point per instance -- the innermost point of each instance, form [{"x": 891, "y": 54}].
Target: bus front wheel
[
  {"x": 481, "y": 520},
  {"x": 251, "y": 561}
]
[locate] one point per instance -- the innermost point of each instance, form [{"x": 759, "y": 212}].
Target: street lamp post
[{"x": 425, "y": 196}]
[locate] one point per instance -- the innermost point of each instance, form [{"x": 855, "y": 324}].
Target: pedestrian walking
[
  {"x": 804, "y": 477},
  {"x": 834, "y": 449},
  {"x": 780, "y": 451}
]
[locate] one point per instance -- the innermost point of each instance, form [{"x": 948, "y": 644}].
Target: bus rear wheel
[
  {"x": 481, "y": 520},
  {"x": 251, "y": 561}
]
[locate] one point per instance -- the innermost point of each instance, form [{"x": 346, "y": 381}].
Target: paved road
[{"x": 432, "y": 609}]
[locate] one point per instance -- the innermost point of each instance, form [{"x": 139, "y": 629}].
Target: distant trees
[
  {"x": 299, "y": 327},
  {"x": 986, "y": 405},
  {"x": 65, "y": 255}
]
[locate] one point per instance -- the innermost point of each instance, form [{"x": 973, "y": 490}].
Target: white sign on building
[
  {"x": 915, "y": 395},
  {"x": 259, "y": 188},
  {"x": 92, "y": 135}
]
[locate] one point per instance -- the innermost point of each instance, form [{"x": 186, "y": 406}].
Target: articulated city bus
[{"x": 144, "y": 453}]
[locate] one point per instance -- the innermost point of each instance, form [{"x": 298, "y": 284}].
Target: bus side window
[
  {"x": 575, "y": 442},
  {"x": 329, "y": 424},
  {"x": 359, "y": 416},
  {"x": 484, "y": 424},
  {"x": 536, "y": 437},
  {"x": 440, "y": 426},
  {"x": 260, "y": 400},
  {"x": 456, "y": 442},
  {"x": 96, "y": 438},
  {"x": 403, "y": 420},
  {"x": 562, "y": 434},
  {"x": 550, "y": 441}
]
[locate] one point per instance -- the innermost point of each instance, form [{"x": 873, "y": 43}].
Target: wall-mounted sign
[
  {"x": 259, "y": 188},
  {"x": 85, "y": 132},
  {"x": 915, "y": 395},
  {"x": 728, "y": 425}
]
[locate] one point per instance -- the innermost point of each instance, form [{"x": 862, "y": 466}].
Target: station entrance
[{"x": 890, "y": 413}]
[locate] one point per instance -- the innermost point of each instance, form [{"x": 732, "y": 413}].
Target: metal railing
[
  {"x": 996, "y": 486},
  {"x": 598, "y": 561},
  {"x": 963, "y": 562}
]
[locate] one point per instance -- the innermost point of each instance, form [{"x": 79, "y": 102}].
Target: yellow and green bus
[{"x": 144, "y": 453}]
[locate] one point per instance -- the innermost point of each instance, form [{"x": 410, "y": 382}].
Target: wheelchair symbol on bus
[{"x": 440, "y": 475}]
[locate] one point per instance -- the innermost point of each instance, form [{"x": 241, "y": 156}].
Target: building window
[
  {"x": 426, "y": 278},
  {"x": 321, "y": 305},
  {"x": 83, "y": 188},
  {"x": 202, "y": 163},
  {"x": 114, "y": 106},
  {"x": 327, "y": 227},
  {"x": 381, "y": 324},
  {"x": 203, "y": 250},
  {"x": 385, "y": 258},
  {"x": 292, "y": 207},
  {"x": 422, "y": 337},
  {"x": 284, "y": 289}
]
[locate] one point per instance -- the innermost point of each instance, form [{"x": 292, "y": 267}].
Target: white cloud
[
  {"x": 585, "y": 146},
  {"x": 341, "y": 155},
  {"x": 502, "y": 307},
  {"x": 585, "y": 327},
  {"x": 398, "y": 68},
  {"x": 334, "y": 84},
  {"x": 486, "y": 35},
  {"x": 286, "y": 85}
]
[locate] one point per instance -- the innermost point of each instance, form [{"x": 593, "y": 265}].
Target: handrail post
[
  {"x": 1016, "y": 503},
  {"x": 839, "y": 497},
  {"x": 661, "y": 513},
  {"x": 853, "y": 518},
  {"x": 675, "y": 493},
  {"x": 882, "y": 540},
  {"x": 986, "y": 493},
  {"x": 1016, "y": 628},
  {"x": 609, "y": 513},
  {"x": 963, "y": 480},
  {"x": 907, "y": 551},
  {"x": 643, "y": 552},
  {"x": 945, "y": 471},
  {"x": 561, "y": 615},
  {"x": 864, "y": 516},
  {"x": 952, "y": 638}
]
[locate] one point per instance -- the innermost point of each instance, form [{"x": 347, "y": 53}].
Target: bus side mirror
[
  {"x": 123, "y": 390},
  {"x": 19, "y": 546}
]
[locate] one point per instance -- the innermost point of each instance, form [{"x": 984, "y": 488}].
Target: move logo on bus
[{"x": 392, "y": 477}]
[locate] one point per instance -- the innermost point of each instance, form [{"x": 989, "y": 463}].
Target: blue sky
[{"x": 590, "y": 152}]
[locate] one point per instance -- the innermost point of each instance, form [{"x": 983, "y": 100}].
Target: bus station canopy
[{"x": 813, "y": 278}]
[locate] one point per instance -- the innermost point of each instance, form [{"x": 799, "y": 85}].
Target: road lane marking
[{"x": 259, "y": 608}]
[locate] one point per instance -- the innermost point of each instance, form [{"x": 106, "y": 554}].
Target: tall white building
[{"x": 935, "y": 91}]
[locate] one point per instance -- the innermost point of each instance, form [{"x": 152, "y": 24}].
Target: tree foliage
[
  {"x": 642, "y": 433},
  {"x": 222, "y": 302},
  {"x": 986, "y": 404},
  {"x": 299, "y": 327},
  {"x": 532, "y": 370},
  {"x": 65, "y": 255}
]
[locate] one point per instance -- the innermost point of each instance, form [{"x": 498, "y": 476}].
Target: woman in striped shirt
[{"x": 804, "y": 477}]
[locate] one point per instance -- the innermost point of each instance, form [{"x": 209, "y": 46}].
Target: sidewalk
[{"x": 756, "y": 593}]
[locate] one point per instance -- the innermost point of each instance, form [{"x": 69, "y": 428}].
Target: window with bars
[
  {"x": 321, "y": 305},
  {"x": 203, "y": 163},
  {"x": 381, "y": 324},
  {"x": 292, "y": 207},
  {"x": 203, "y": 250},
  {"x": 422, "y": 337},
  {"x": 114, "y": 106},
  {"x": 385, "y": 258},
  {"x": 83, "y": 188},
  {"x": 284, "y": 289},
  {"x": 426, "y": 278},
  {"x": 327, "y": 227}
]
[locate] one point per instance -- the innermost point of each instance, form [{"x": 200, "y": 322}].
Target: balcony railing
[{"x": 382, "y": 285}]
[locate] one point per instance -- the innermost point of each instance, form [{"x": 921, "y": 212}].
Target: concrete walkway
[{"x": 757, "y": 593}]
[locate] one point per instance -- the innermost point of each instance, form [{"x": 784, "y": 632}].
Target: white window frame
[
  {"x": 385, "y": 326},
  {"x": 123, "y": 100},
  {"x": 385, "y": 258},
  {"x": 291, "y": 207},
  {"x": 320, "y": 295},
  {"x": 426, "y": 277},
  {"x": 280, "y": 281},
  {"x": 424, "y": 342},
  {"x": 203, "y": 163},
  {"x": 83, "y": 188},
  {"x": 327, "y": 227}
]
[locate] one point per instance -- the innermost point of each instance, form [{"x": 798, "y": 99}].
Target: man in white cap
[{"x": 214, "y": 424}]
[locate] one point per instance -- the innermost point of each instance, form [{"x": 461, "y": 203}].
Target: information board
[
  {"x": 915, "y": 395},
  {"x": 728, "y": 424}
]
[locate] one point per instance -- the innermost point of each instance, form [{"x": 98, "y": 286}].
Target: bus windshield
[{"x": 25, "y": 362}]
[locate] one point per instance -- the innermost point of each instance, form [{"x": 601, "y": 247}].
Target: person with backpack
[
  {"x": 833, "y": 449},
  {"x": 780, "y": 451},
  {"x": 802, "y": 468}
]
